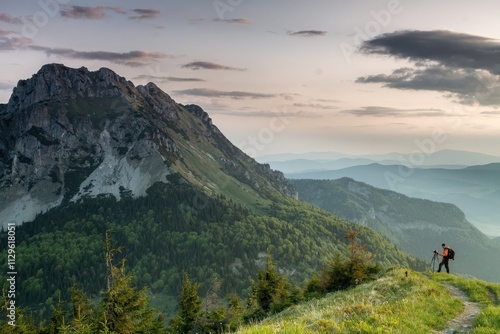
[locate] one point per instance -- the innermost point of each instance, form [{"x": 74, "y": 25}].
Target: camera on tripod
[{"x": 436, "y": 252}]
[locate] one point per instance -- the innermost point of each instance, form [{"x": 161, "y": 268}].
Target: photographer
[{"x": 446, "y": 258}]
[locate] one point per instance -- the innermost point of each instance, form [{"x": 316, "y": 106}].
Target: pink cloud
[{"x": 90, "y": 13}]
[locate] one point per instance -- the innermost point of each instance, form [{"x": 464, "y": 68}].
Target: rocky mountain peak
[
  {"x": 56, "y": 82},
  {"x": 68, "y": 134}
]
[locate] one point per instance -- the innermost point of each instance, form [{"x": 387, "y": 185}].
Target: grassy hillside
[
  {"x": 396, "y": 303},
  {"x": 416, "y": 225}
]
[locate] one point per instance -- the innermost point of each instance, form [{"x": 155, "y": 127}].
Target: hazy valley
[{"x": 468, "y": 180}]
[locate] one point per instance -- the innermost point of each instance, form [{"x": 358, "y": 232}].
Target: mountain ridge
[
  {"x": 66, "y": 133},
  {"x": 474, "y": 189},
  {"x": 435, "y": 157}
]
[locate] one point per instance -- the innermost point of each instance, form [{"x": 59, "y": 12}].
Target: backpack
[{"x": 451, "y": 254}]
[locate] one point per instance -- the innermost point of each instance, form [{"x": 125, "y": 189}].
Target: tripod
[{"x": 433, "y": 261}]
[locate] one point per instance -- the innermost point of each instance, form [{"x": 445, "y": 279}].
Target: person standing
[{"x": 446, "y": 258}]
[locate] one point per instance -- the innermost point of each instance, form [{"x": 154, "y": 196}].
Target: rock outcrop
[{"x": 67, "y": 133}]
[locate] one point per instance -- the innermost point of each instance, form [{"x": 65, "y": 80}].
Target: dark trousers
[{"x": 445, "y": 263}]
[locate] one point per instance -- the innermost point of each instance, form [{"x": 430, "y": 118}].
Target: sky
[{"x": 287, "y": 76}]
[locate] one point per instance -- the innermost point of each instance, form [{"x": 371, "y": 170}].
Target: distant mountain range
[
  {"x": 474, "y": 189},
  {"x": 324, "y": 161},
  {"x": 416, "y": 225}
]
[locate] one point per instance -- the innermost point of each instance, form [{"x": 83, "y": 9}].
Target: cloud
[
  {"x": 307, "y": 33},
  {"x": 466, "y": 86},
  {"x": 270, "y": 114},
  {"x": 8, "y": 42},
  {"x": 6, "y": 85},
  {"x": 164, "y": 79},
  {"x": 445, "y": 47},
  {"x": 7, "y": 18},
  {"x": 131, "y": 58},
  {"x": 234, "y": 21},
  {"x": 5, "y": 33},
  {"x": 491, "y": 113},
  {"x": 197, "y": 65},
  {"x": 378, "y": 111},
  {"x": 218, "y": 93},
  {"x": 463, "y": 67},
  {"x": 100, "y": 12},
  {"x": 89, "y": 13},
  {"x": 314, "y": 106},
  {"x": 144, "y": 14}
]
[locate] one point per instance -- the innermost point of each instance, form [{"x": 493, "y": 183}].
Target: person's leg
[
  {"x": 440, "y": 265},
  {"x": 446, "y": 266}
]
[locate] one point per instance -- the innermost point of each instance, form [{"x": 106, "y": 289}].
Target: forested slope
[{"x": 164, "y": 235}]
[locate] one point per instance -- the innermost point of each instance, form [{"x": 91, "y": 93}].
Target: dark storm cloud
[
  {"x": 464, "y": 67},
  {"x": 442, "y": 46}
]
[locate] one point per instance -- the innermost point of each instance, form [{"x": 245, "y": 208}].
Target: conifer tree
[
  {"x": 215, "y": 314},
  {"x": 83, "y": 317},
  {"x": 270, "y": 292},
  {"x": 234, "y": 312},
  {"x": 189, "y": 307},
  {"x": 339, "y": 273},
  {"x": 123, "y": 308}
]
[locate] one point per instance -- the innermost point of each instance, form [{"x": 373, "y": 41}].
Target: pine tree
[
  {"x": 189, "y": 307},
  {"x": 340, "y": 274},
  {"x": 215, "y": 314},
  {"x": 82, "y": 313},
  {"x": 234, "y": 312},
  {"x": 270, "y": 293},
  {"x": 123, "y": 308}
]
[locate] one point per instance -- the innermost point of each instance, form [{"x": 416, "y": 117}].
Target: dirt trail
[{"x": 464, "y": 322}]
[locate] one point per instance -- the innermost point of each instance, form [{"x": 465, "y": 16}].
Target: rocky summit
[{"x": 68, "y": 133}]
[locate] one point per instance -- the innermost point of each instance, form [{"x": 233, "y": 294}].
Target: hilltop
[{"x": 399, "y": 302}]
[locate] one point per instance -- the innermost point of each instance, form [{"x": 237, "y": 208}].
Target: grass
[
  {"x": 395, "y": 303},
  {"x": 485, "y": 293}
]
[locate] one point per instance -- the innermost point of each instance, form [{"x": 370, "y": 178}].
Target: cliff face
[{"x": 67, "y": 133}]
